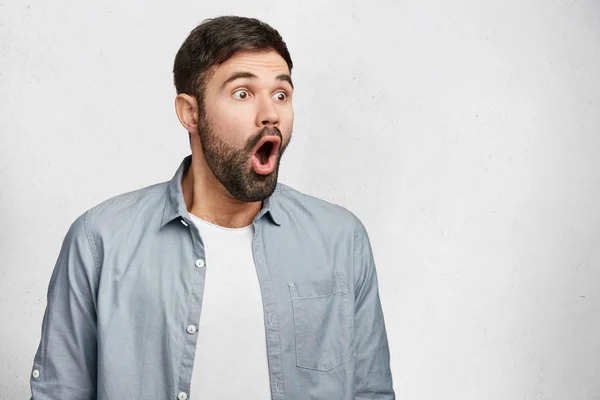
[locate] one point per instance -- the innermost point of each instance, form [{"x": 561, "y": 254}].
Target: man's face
[{"x": 240, "y": 110}]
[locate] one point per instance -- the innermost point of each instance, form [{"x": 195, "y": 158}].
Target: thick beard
[{"x": 232, "y": 166}]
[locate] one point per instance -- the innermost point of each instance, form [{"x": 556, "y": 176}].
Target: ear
[{"x": 186, "y": 107}]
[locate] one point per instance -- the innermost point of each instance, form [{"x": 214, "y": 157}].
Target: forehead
[{"x": 257, "y": 62}]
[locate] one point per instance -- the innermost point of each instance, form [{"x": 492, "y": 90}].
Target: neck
[{"x": 206, "y": 198}]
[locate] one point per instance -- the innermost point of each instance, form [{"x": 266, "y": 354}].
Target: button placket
[{"x": 196, "y": 277}]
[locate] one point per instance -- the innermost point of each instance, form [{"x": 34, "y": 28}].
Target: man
[{"x": 221, "y": 283}]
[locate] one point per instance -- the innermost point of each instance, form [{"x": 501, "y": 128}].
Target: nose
[{"x": 267, "y": 113}]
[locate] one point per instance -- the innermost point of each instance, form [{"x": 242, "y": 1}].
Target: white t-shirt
[{"x": 231, "y": 352}]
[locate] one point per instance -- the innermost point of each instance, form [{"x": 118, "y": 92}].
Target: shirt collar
[{"x": 175, "y": 204}]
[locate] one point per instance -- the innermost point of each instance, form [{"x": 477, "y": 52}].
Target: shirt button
[
  {"x": 191, "y": 329},
  {"x": 199, "y": 263},
  {"x": 182, "y": 396},
  {"x": 36, "y": 373}
]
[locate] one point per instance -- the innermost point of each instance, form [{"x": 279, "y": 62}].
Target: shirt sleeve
[
  {"x": 64, "y": 366},
  {"x": 373, "y": 378}
]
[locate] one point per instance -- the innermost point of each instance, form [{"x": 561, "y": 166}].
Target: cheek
[
  {"x": 228, "y": 130},
  {"x": 230, "y": 123},
  {"x": 287, "y": 119}
]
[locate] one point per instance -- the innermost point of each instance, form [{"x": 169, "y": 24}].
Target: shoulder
[
  {"x": 301, "y": 207},
  {"x": 121, "y": 211},
  {"x": 129, "y": 201}
]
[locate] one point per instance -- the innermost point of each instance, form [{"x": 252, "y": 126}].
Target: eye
[
  {"x": 281, "y": 96},
  {"x": 243, "y": 94}
]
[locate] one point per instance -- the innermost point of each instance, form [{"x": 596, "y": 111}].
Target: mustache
[{"x": 266, "y": 131}]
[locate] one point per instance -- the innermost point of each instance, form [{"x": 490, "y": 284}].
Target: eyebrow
[{"x": 239, "y": 75}]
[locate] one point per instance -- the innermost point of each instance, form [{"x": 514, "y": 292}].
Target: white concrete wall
[{"x": 465, "y": 135}]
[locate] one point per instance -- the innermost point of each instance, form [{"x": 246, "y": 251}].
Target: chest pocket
[{"x": 323, "y": 322}]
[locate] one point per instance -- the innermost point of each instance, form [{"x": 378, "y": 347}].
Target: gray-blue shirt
[{"x": 130, "y": 277}]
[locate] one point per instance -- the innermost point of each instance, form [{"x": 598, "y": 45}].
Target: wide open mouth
[{"x": 266, "y": 148}]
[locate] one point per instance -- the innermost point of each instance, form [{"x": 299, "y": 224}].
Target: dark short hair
[{"x": 213, "y": 42}]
